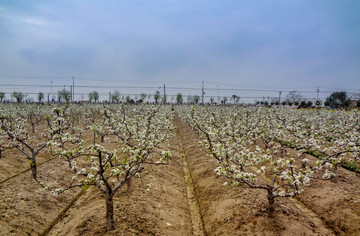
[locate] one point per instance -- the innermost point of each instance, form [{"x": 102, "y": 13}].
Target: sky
[{"x": 249, "y": 48}]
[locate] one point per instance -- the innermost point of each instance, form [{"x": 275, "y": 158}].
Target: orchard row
[
  {"x": 104, "y": 146},
  {"x": 252, "y": 145}
]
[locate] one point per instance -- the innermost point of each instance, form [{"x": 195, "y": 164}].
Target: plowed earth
[{"x": 174, "y": 204}]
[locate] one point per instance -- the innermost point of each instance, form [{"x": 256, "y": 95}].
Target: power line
[{"x": 169, "y": 88}]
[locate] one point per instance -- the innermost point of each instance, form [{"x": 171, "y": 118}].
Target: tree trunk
[
  {"x": 271, "y": 200},
  {"x": 109, "y": 213},
  {"x": 128, "y": 183},
  {"x": 335, "y": 169},
  {"x": 33, "y": 168}
]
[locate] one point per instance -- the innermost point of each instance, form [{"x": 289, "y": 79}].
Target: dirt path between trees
[{"x": 195, "y": 212}]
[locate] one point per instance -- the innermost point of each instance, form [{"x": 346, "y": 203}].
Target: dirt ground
[
  {"x": 326, "y": 208},
  {"x": 26, "y": 208}
]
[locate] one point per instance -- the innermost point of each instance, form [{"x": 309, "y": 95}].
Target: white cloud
[
  {"x": 22, "y": 18},
  {"x": 34, "y": 21}
]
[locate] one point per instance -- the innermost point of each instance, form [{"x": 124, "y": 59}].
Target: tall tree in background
[
  {"x": 40, "y": 97},
  {"x": 235, "y": 99},
  {"x": 157, "y": 96},
  {"x": 19, "y": 96},
  {"x": 2, "y": 96},
  {"x": 196, "y": 99},
  {"x": 64, "y": 95},
  {"x": 115, "y": 97},
  {"x": 143, "y": 97},
  {"x": 94, "y": 96},
  {"x": 224, "y": 100},
  {"x": 294, "y": 96},
  {"x": 338, "y": 100},
  {"x": 90, "y": 95},
  {"x": 179, "y": 98},
  {"x": 128, "y": 99}
]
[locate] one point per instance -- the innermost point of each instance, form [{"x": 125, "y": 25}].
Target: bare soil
[
  {"x": 25, "y": 207},
  {"x": 326, "y": 208}
]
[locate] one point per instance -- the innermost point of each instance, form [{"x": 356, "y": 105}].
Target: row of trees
[
  {"x": 302, "y": 104},
  {"x": 63, "y": 95},
  {"x": 117, "y": 98},
  {"x": 335, "y": 100},
  {"x": 251, "y": 146}
]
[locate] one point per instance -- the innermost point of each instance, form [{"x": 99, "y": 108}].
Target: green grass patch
[{"x": 351, "y": 166}]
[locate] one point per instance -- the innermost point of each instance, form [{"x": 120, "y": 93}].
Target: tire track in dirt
[{"x": 194, "y": 208}]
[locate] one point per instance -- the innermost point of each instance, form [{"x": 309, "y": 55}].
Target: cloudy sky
[{"x": 275, "y": 45}]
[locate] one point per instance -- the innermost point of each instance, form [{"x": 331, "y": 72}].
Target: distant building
[{"x": 83, "y": 102}]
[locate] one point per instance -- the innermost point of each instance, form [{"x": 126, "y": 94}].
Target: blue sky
[{"x": 273, "y": 44}]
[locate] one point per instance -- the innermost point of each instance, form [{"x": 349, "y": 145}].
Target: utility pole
[
  {"x": 202, "y": 92},
  {"x": 73, "y": 91},
  {"x": 279, "y": 96},
  {"x": 164, "y": 95},
  {"x": 110, "y": 97},
  {"x": 317, "y": 94},
  {"x": 218, "y": 93}
]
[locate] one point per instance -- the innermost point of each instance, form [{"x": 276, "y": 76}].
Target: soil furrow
[{"x": 195, "y": 213}]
